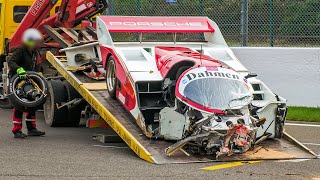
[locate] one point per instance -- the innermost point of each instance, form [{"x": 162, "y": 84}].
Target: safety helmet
[{"x": 31, "y": 37}]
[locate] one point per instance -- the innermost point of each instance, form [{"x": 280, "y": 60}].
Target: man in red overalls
[{"x": 25, "y": 58}]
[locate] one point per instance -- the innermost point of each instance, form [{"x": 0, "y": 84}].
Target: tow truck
[{"x": 76, "y": 72}]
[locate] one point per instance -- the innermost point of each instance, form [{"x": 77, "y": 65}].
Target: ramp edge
[
  {"x": 299, "y": 144},
  {"x": 128, "y": 138}
]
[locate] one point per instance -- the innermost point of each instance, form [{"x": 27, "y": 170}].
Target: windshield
[{"x": 217, "y": 93}]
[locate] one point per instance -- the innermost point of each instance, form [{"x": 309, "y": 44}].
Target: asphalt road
[{"x": 70, "y": 153}]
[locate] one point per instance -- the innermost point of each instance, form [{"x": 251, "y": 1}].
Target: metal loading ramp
[{"x": 154, "y": 150}]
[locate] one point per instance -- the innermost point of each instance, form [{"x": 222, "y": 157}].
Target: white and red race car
[{"x": 195, "y": 93}]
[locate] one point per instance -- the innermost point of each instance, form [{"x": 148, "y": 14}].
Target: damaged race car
[{"x": 195, "y": 93}]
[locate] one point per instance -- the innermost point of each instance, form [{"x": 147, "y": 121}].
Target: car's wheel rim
[
  {"x": 111, "y": 76},
  {"x": 37, "y": 80}
]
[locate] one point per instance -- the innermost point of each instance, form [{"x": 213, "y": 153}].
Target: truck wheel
[
  {"x": 57, "y": 94},
  {"x": 74, "y": 113},
  {"x": 111, "y": 77}
]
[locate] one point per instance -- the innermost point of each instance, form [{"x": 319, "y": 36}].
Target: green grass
[{"x": 311, "y": 114}]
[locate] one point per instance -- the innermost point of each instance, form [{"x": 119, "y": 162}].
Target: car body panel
[{"x": 153, "y": 62}]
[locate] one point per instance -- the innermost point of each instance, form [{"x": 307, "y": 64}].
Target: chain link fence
[{"x": 294, "y": 23}]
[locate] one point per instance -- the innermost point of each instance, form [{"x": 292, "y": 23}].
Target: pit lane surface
[{"x": 70, "y": 153}]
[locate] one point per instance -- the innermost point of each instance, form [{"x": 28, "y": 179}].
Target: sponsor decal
[
  {"x": 204, "y": 74},
  {"x": 36, "y": 7},
  {"x": 212, "y": 68},
  {"x": 213, "y": 72},
  {"x": 157, "y": 24}
]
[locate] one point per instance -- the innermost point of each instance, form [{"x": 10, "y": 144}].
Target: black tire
[
  {"x": 23, "y": 105},
  {"x": 74, "y": 113},
  {"x": 110, "y": 71},
  {"x": 57, "y": 94}
]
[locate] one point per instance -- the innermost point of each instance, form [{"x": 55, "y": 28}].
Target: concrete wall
[{"x": 293, "y": 73}]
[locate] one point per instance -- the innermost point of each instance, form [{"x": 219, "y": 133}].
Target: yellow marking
[
  {"x": 95, "y": 86},
  {"x": 77, "y": 68},
  {"x": 229, "y": 165},
  {"x": 71, "y": 68},
  {"x": 63, "y": 60},
  {"x": 132, "y": 142}
]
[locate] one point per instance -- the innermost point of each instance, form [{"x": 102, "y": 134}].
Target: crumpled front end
[{"x": 211, "y": 113}]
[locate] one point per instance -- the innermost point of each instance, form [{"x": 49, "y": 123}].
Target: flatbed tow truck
[{"x": 116, "y": 116}]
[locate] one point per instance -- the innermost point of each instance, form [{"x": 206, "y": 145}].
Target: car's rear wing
[
  {"x": 147, "y": 24},
  {"x": 156, "y": 24}
]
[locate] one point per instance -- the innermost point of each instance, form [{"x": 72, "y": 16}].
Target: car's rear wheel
[{"x": 111, "y": 78}]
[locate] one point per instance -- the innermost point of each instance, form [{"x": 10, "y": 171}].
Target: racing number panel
[{"x": 154, "y": 150}]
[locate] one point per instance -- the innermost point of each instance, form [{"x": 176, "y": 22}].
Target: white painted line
[
  {"x": 312, "y": 144},
  {"x": 115, "y": 147},
  {"x": 293, "y": 160},
  {"x": 304, "y": 125}
]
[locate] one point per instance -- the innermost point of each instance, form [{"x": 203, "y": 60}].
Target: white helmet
[{"x": 31, "y": 36}]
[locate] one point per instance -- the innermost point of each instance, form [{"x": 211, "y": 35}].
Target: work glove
[{"x": 21, "y": 73}]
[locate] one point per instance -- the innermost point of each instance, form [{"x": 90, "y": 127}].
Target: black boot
[
  {"x": 35, "y": 132},
  {"x": 20, "y": 135}
]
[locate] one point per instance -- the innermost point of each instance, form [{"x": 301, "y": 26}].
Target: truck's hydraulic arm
[{"x": 69, "y": 15}]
